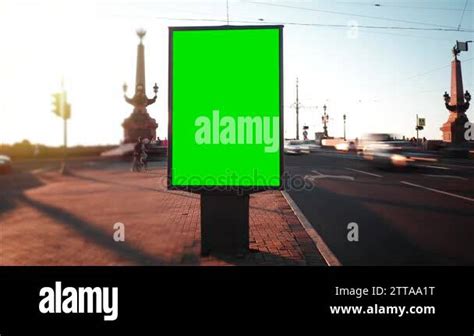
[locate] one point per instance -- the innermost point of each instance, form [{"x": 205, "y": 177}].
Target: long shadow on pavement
[
  {"x": 12, "y": 187},
  {"x": 95, "y": 234}
]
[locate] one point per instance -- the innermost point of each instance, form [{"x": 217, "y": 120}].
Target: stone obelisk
[
  {"x": 457, "y": 104},
  {"x": 139, "y": 123}
]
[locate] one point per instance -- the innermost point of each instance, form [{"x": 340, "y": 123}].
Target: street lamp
[
  {"x": 297, "y": 108},
  {"x": 325, "y": 120},
  {"x": 344, "y": 117}
]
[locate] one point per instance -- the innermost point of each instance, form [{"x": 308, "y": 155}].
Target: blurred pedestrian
[
  {"x": 144, "y": 154},
  {"x": 137, "y": 152}
]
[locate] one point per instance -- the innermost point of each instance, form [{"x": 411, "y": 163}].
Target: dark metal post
[
  {"x": 417, "y": 138},
  {"x": 224, "y": 223},
  {"x": 63, "y": 169},
  {"x": 65, "y": 115}
]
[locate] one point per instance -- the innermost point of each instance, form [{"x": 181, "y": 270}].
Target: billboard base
[{"x": 224, "y": 223}]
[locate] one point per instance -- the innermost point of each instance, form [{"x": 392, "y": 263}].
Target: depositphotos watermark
[{"x": 230, "y": 180}]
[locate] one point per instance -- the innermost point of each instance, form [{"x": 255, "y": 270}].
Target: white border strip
[{"x": 325, "y": 251}]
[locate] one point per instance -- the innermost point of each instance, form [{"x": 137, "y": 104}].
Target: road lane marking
[
  {"x": 458, "y": 166},
  {"x": 364, "y": 172},
  {"x": 434, "y": 167},
  {"x": 41, "y": 170},
  {"x": 438, "y": 191},
  {"x": 447, "y": 176},
  {"x": 323, "y": 249},
  {"x": 321, "y": 176}
]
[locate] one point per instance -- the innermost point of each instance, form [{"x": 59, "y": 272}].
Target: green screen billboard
[{"x": 225, "y": 107}]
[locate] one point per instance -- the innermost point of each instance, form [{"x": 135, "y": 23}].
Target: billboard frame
[{"x": 221, "y": 189}]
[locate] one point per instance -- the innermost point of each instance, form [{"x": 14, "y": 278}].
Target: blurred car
[
  {"x": 5, "y": 164},
  {"x": 295, "y": 147},
  {"x": 387, "y": 150},
  {"x": 310, "y": 145},
  {"x": 346, "y": 146},
  {"x": 386, "y": 154}
]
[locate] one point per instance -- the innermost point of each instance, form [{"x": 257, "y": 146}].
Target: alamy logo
[
  {"x": 469, "y": 134},
  {"x": 81, "y": 300},
  {"x": 238, "y": 131}
]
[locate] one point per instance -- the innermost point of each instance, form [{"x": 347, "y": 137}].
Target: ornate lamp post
[
  {"x": 344, "y": 117},
  {"x": 325, "y": 120}
]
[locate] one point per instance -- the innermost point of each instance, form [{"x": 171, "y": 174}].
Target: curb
[{"x": 321, "y": 246}]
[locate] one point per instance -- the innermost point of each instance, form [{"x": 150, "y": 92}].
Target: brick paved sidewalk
[{"x": 49, "y": 219}]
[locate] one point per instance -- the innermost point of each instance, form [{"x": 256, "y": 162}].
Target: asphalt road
[{"x": 420, "y": 216}]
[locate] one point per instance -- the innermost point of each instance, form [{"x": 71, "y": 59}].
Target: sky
[{"x": 380, "y": 78}]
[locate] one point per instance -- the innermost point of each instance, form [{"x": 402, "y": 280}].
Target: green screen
[{"x": 225, "y": 112}]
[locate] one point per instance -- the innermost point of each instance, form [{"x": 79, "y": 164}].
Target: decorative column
[
  {"x": 139, "y": 123},
  {"x": 457, "y": 104}
]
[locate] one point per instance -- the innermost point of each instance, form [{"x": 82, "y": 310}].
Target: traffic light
[
  {"x": 67, "y": 111},
  {"x": 58, "y": 104}
]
